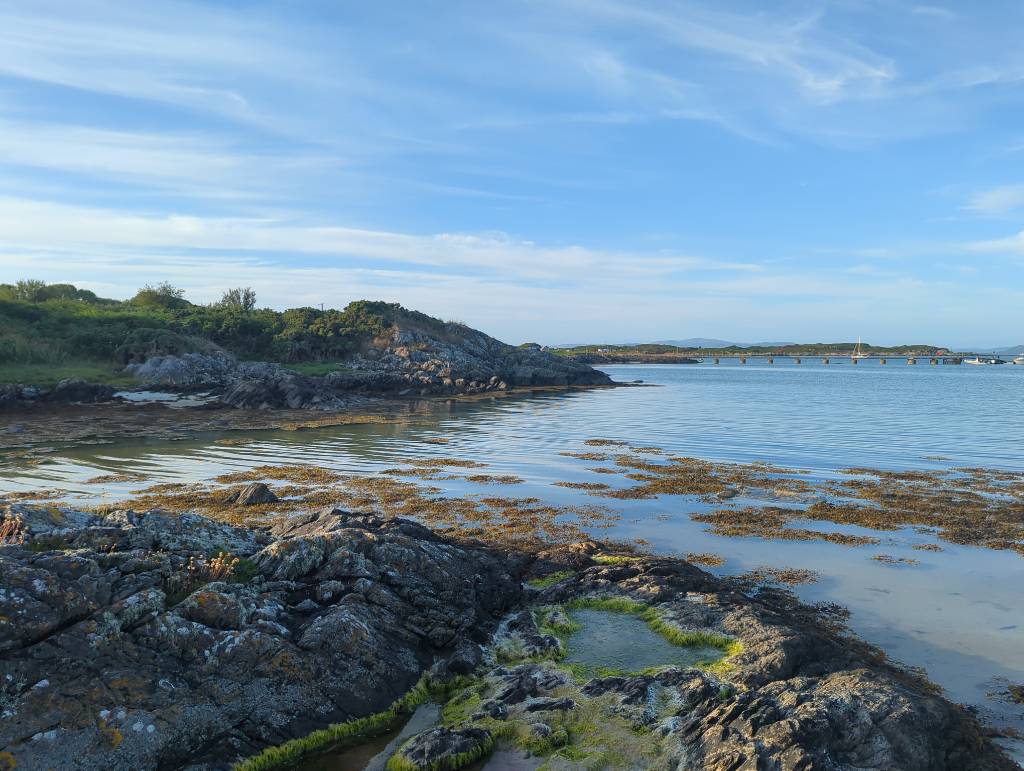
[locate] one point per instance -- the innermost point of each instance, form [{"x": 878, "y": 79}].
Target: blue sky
[{"x": 558, "y": 170}]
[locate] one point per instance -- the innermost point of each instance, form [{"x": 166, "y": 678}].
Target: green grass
[
  {"x": 339, "y": 735},
  {"x": 48, "y": 375}
]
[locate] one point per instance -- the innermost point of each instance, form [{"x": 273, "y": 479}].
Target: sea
[{"x": 957, "y": 613}]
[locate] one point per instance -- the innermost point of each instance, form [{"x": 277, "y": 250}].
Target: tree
[
  {"x": 164, "y": 294},
  {"x": 239, "y": 299},
  {"x": 30, "y": 290}
]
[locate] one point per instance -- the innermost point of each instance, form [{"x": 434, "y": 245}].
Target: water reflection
[{"x": 958, "y": 612}]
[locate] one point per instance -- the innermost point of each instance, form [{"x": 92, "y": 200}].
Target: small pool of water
[
  {"x": 618, "y": 641},
  {"x": 373, "y": 755}
]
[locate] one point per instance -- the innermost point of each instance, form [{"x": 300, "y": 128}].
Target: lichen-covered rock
[
  {"x": 798, "y": 695},
  {"x": 442, "y": 748},
  {"x": 106, "y": 664}
]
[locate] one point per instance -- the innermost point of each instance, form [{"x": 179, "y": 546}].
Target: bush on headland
[{"x": 54, "y": 324}]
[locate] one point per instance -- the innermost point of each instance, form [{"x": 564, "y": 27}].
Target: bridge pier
[
  {"x": 911, "y": 361},
  {"x": 716, "y": 360},
  {"x": 797, "y": 360},
  {"x": 881, "y": 361},
  {"x": 934, "y": 361},
  {"x": 771, "y": 360},
  {"x": 825, "y": 360},
  {"x": 743, "y": 359}
]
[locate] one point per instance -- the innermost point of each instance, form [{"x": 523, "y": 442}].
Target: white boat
[
  {"x": 1019, "y": 360},
  {"x": 858, "y": 354},
  {"x": 987, "y": 360}
]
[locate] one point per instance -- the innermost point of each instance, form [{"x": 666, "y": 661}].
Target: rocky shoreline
[
  {"x": 408, "y": 363},
  {"x": 156, "y": 640}
]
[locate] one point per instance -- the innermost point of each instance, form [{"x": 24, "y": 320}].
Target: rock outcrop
[
  {"x": 65, "y": 392},
  {"x": 455, "y": 360},
  {"x": 124, "y": 645},
  {"x": 118, "y": 651}
]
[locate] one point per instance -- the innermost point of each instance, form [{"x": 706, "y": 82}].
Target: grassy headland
[{"x": 54, "y": 331}]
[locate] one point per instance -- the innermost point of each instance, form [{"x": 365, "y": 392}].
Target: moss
[
  {"x": 552, "y": 621},
  {"x": 598, "y": 737},
  {"x": 614, "y": 559},
  {"x": 550, "y": 579},
  {"x": 339, "y": 735},
  {"x": 398, "y": 762},
  {"x": 460, "y": 708}
]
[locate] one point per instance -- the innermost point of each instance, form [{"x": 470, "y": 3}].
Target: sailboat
[{"x": 858, "y": 354}]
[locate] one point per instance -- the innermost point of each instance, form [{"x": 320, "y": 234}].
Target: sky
[{"x": 549, "y": 170}]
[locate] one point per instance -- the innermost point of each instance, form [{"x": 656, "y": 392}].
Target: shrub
[{"x": 239, "y": 299}]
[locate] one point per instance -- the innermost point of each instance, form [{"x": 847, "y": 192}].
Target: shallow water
[
  {"x": 959, "y": 613},
  {"x": 626, "y": 644},
  {"x": 374, "y": 754}
]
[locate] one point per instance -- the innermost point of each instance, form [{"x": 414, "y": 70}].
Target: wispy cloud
[
  {"x": 367, "y": 152},
  {"x": 998, "y": 200}
]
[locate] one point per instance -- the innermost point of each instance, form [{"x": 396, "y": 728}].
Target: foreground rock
[
  {"x": 123, "y": 645},
  {"x": 117, "y": 654}
]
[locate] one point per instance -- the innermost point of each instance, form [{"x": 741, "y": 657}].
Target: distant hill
[
  {"x": 698, "y": 342},
  {"x": 711, "y": 342}
]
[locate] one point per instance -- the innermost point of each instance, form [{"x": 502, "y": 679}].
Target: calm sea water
[{"x": 958, "y": 613}]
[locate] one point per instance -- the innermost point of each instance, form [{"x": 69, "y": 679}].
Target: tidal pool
[
  {"x": 621, "y": 643},
  {"x": 373, "y": 754}
]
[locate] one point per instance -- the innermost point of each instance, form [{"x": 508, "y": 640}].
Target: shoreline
[
  {"x": 503, "y": 629},
  {"x": 53, "y": 424},
  {"x": 612, "y": 450}
]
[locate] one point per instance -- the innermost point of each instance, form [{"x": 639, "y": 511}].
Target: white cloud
[{"x": 998, "y": 200}]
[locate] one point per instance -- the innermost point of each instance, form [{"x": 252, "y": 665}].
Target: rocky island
[{"x": 133, "y": 640}]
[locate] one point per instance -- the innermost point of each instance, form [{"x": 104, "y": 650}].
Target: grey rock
[
  {"x": 439, "y": 747},
  {"x": 252, "y": 494},
  {"x": 230, "y": 668}
]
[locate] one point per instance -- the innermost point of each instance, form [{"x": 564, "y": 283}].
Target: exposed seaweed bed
[
  {"x": 963, "y": 506},
  {"x": 969, "y": 506}
]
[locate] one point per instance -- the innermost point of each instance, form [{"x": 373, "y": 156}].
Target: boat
[
  {"x": 1019, "y": 359},
  {"x": 985, "y": 360},
  {"x": 858, "y": 354}
]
